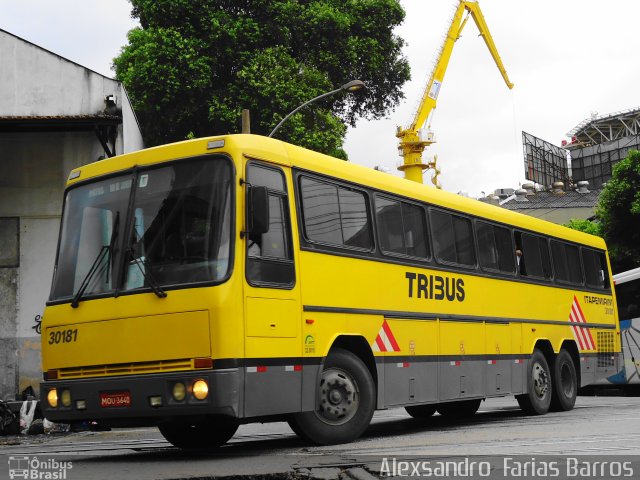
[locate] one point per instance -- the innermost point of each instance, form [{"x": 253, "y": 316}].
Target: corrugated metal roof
[{"x": 570, "y": 199}]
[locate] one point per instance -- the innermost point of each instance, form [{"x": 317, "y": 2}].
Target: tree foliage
[
  {"x": 586, "y": 226},
  {"x": 193, "y": 65},
  {"x": 619, "y": 213}
]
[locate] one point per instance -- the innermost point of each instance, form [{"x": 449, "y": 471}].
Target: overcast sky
[{"x": 567, "y": 58}]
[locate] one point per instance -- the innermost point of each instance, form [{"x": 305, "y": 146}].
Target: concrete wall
[
  {"x": 9, "y": 261},
  {"x": 34, "y": 166},
  {"x": 35, "y": 81},
  {"x": 33, "y": 171},
  {"x": 130, "y": 135}
]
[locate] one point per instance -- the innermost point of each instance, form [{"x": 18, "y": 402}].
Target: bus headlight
[
  {"x": 65, "y": 397},
  {"x": 200, "y": 389},
  {"x": 52, "y": 398},
  {"x": 179, "y": 391}
]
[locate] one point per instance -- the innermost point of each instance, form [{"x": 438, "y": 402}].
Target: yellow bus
[{"x": 234, "y": 279}]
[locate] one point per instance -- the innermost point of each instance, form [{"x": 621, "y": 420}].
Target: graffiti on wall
[{"x": 38, "y": 324}]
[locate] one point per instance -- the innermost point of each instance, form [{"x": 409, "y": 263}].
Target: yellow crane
[{"x": 414, "y": 139}]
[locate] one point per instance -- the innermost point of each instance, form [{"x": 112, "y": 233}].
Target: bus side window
[
  {"x": 535, "y": 254},
  {"x": 595, "y": 269},
  {"x": 402, "y": 228},
  {"x": 495, "y": 247},
  {"x": 566, "y": 262},
  {"x": 269, "y": 256},
  {"x": 335, "y": 215},
  {"x": 452, "y": 238}
]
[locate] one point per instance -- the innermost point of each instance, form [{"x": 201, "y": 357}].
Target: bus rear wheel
[
  {"x": 346, "y": 402},
  {"x": 464, "y": 408},
  {"x": 421, "y": 411},
  {"x": 203, "y": 433},
  {"x": 565, "y": 382},
  {"x": 539, "y": 386}
]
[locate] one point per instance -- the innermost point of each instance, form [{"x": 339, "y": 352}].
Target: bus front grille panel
[
  {"x": 606, "y": 347},
  {"x": 126, "y": 369}
]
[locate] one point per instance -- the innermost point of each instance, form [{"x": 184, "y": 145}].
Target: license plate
[{"x": 115, "y": 399}]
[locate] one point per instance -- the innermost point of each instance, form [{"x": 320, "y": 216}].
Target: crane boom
[{"x": 412, "y": 143}]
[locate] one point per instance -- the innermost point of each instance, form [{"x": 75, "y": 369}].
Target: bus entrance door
[{"x": 273, "y": 378}]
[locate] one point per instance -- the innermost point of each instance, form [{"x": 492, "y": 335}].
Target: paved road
[{"x": 597, "y": 426}]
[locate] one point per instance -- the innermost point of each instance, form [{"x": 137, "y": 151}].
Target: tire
[
  {"x": 565, "y": 383},
  {"x": 296, "y": 429},
  {"x": 421, "y": 411},
  {"x": 464, "y": 408},
  {"x": 346, "y": 399},
  {"x": 537, "y": 400},
  {"x": 205, "y": 433}
]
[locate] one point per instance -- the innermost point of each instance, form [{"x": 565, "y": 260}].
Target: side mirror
[{"x": 258, "y": 215}]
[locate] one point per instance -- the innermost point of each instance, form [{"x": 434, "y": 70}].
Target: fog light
[
  {"x": 65, "y": 398},
  {"x": 200, "y": 389},
  {"x": 52, "y": 398},
  {"x": 179, "y": 391},
  {"x": 155, "y": 401},
  {"x": 81, "y": 405}
]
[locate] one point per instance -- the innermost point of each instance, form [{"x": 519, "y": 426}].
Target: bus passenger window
[
  {"x": 402, "y": 228},
  {"x": 495, "y": 247},
  {"x": 535, "y": 254},
  {"x": 354, "y": 219},
  {"x": 453, "y": 238},
  {"x": 566, "y": 262},
  {"x": 595, "y": 269},
  {"x": 335, "y": 215}
]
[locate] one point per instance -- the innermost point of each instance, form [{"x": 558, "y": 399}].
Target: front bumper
[{"x": 223, "y": 398}]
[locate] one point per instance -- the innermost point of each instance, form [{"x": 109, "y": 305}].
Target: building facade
[{"x": 55, "y": 115}]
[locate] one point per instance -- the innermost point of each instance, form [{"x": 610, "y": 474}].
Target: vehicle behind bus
[
  {"x": 235, "y": 279},
  {"x": 627, "y": 288}
]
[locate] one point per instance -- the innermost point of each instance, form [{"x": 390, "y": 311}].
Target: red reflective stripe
[
  {"x": 392, "y": 339},
  {"x": 297, "y": 368},
  {"x": 586, "y": 332},
  {"x": 380, "y": 344},
  {"x": 574, "y": 318},
  {"x": 261, "y": 369}
]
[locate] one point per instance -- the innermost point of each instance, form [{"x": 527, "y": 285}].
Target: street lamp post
[{"x": 352, "y": 86}]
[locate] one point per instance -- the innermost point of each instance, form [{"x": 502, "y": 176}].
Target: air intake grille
[
  {"x": 126, "y": 369},
  {"x": 606, "y": 347}
]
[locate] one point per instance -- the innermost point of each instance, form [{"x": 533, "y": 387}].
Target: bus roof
[{"x": 261, "y": 147}]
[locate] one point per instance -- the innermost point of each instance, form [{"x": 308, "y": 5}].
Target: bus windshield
[{"x": 177, "y": 230}]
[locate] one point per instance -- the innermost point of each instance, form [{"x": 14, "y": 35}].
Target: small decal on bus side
[
  {"x": 435, "y": 287},
  {"x": 63, "y": 336},
  {"x": 309, "y": 344}
]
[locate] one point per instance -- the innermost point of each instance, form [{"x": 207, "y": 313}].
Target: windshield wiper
[
  {"x": 95, "y": 266},
  {"x": 151, "y": 281}
]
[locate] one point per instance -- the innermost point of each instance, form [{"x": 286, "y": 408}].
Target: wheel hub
[
  {"x": 540, "y": 380},
  {"x": 338, "y": 397}
]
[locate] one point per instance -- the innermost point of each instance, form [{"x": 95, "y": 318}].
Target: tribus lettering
[{"x": 435, "y": 287}]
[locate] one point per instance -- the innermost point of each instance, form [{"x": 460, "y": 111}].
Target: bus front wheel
[
  {"x": 346, "y": 402},
  {"x": 205, "y": 433},
  {"x": 565, "y": 382},
  {"x": 539, "y": 386}
]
